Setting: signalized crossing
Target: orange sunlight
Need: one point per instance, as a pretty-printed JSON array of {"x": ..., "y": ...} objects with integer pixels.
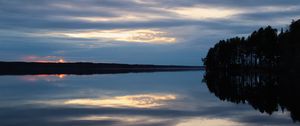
[
  {"x": 44, "y": 77},
  {"x": 61, "y": 76},
  {"x": 61, "y": 61},
  {"x": 44, "y": 59},
  {"x": 125, "y": 35},
  {"x": 134, "y": 101}
]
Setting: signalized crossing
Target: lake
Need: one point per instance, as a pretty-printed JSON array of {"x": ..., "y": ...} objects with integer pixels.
[{"x": 133, "y": 99}]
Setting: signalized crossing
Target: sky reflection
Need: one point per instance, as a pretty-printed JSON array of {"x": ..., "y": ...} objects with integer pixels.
[
  {"x": 143, "y": 99},
  {"x": 136, "y": 101},
  {"x": 43, "y": 77},
  {"x": 209, "y": 122}
]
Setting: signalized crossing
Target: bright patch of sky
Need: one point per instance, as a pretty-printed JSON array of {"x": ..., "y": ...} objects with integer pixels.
[{"x": 131, "y": 31}]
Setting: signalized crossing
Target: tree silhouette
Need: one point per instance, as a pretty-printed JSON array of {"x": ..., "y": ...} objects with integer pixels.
[
  {"x": 263, "y": 49},
  {"x": 262, "y": 70},
  {"x": 265, "y": 91}
]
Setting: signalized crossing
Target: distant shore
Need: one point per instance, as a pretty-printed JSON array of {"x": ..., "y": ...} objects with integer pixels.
[{"x": 81, "y": 68}]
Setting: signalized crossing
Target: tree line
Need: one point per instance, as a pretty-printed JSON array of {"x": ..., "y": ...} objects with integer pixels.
[
  {"x": 263, "y": 49},
  {"x": 266, "y": 92}
]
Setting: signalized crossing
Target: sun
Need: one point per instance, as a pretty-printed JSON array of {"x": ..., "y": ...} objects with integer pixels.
[
  {"x": 61, "y": 76},
  {"x": 61, "y": 61}
]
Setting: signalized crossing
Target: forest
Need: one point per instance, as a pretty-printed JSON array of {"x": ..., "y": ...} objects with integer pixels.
[
  {"x": 265, "y": 48},
  {"x": 266, "y": 92},
  {"x": 261, "y": 70}
]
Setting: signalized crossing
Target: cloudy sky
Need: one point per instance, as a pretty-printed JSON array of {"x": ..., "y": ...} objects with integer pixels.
[{"x": 131, "y": 31}]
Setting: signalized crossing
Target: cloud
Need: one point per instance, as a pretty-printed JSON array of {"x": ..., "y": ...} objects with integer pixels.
[
  {"x": 203, "y": 12},
  {"x": 74, "y": 25},
  {"x": 136, "y": 35},
  {"x": 136, "y": 101},
  {"x": 143, "y": 117}
]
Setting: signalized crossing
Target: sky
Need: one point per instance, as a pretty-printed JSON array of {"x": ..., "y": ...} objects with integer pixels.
[{"x": 176, "y": 32}]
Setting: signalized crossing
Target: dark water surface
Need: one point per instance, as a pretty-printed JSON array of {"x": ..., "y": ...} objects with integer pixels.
[{"x": 135, "y": 99}]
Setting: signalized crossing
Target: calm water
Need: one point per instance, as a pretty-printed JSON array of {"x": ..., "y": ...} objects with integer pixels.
[{"x": 137, "y": 99}]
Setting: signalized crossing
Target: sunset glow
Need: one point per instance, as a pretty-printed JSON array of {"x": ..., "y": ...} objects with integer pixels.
[
  {"x": 44, "y": 59},
  {"x": 204, "y": 12},
  {"x": 131, "y": 31},
  {"x": 61, "y": 76},
  {"x": 149, "y": 62},
  {"x": 209, "y": 122},
  {"x": 44, "y": 77},
  {"x": 135, "y": 101},
  {"x": 139, "y": 35},
  {"x": 61, "y": 61}
]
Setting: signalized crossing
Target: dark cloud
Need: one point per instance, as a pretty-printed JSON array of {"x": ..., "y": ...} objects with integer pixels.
[
  {"x": 45, "y": 15},
  {"x": 18, "y": 18},
  {"x": 227, "y": 3}
]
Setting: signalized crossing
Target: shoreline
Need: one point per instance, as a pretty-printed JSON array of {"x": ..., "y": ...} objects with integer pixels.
[{"x": 85, "y": 68}]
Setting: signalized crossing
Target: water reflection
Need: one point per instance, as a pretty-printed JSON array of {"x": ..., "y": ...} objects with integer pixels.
[
  {"x": 136, "y": 101},
  {"x": 209, "y": 122},
  {"x": 126, "y": 120},
  {"x": 265, "y": 91},
  {"x": 143, "y": 99},
  {"x": 43, "y": 77}
]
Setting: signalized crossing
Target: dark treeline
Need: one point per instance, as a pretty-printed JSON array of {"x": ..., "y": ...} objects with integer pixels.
[
  {"x": 24, "y": 68},
  {"x": 266, "y": 91},
  {"x": 264, "y": 49},
  {"x": 262, "y": 70}
]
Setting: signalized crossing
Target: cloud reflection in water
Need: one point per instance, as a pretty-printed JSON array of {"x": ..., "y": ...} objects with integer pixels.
[
  {"x": 135, "y": 101},
  {"x": 144, "y": 99}
]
